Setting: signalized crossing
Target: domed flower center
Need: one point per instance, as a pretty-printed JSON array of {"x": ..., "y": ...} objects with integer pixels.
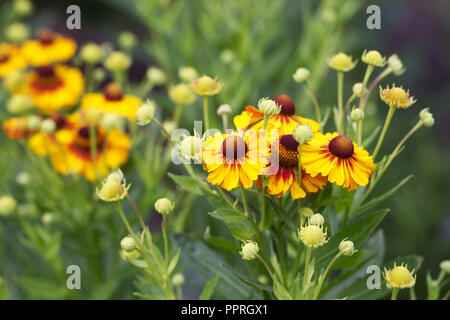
[
  {"x": 401, "y": 275},
  {"x": 113, "y": 91},
  {"x": 234, "y": 148},
  {"x": 46, "y": 37},
  {"x": 398, "y": 94},
  {"x": 3, "y": 57},
  {"x": 341, "y": 147},
  {"x": 288, "y": 151},
  {"x": 341, "y": 60},
  {"x": 47, "y": 80},
  {"x": 286, "y": 103}
]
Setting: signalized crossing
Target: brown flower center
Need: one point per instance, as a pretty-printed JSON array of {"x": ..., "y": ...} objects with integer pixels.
[
  {"x": 82, "y": 139},
  {"x": 3, "y": 57},
  {"x": 286, "y": 103},
  {"x": 59, "y": 120},
  {"x": 47, "y": 80},
  {"x": 234, "y": 148},
  {"x": 113, "y": 91},
  {"x": 288, "y": 151},
  {"x": 46, "y": 37},
  {"x": 341, "y": 147}
]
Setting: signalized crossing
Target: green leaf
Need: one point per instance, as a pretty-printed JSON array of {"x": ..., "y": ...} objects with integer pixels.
[
  {"x": 173, "y": 263},
  {"x": 229, "y": 216},
  {"x": 241, "y": 227},
  {"x": 372, "y": 203},
  {"x": 281, "y": 293},
  {"x": 223, "y": 244},
  {"x": 351, "y": 261},
  {"x": 187, "y": 183},
  {"x": 208, "y": 290},
  {"x": 372, "y": 137}
]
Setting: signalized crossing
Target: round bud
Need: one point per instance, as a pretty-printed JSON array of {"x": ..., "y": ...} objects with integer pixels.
[
  {"x": 357, "y": 114},
  {"x": 19, "y": 103},
  {"x": 111, "y": 121},
  {"x": 317, "y": 219},
  {"x": 346, "y": 247},
  {"x": 306, "y": 212},
  {"x": 181, "y": 94},
  {"x": 224, "y": 109},
  {"x": 112, "y": 190},
  {"x": 145, "y": 113},
  {"x": 34, "y": 123},
  {"x": 128, "y": 244},
  {"x": 13, "y": 80},
  {"x": 373, "y": 58},
  {"x": 445, "y": 266},
  {"x": 164, "y": 206},
  {"x": 426, "y": 117},
  {"x": 303, "y": 134},
  {"x": 396, "y": 65},
  {"x": 17, "y": 32},
  {"x": 99, "y": 74},
  {"x": 48, "y": 218},
  {"x": 191, "y": 146},
  {"x": 357, "y": 89},
  {"x": 7, "y": 205},
  {"x": 117, "y": 61},
  {"x": 178, "y": 279},
  {"x": 127, "y": 40},
  {"x": 156, "y": 76},
  {"x": 312, "y": 236},
  {"x": 23, "y": 8},
  {"x": 187, "y": 74},
  {"x": 48, "y": 126},
  {"x": 249, "y": 250},
  {"x": 23, "y": 178},
  {"x": 268, "y": 107},
  {"x": 301, "y": 75},
  {"x": 91, "y": 53}
]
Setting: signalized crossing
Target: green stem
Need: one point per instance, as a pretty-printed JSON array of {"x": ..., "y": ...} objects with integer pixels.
[
  {"x": 358, "y": 134},
  {"x": 225, "y": 122},
  {"x": 322, "y": 279},
  {"x": 266, "y": 266},
  {"x": 315, "y": 102},
  {"x": 166, "y": 240},
  {"x": 244, "y": 200},
  {"x": 340, "y": 89},
  {"x": 93, "y": 148},
  {"x": 305, "y": 275},
  {"x": 205, "y": 112},
  {"x": 383, "y": 132},
  {"x": 177, "y": 114},
  {"x": 394, "y": 293}
]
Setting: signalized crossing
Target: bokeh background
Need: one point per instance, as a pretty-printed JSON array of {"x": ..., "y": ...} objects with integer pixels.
[{"x": 255, "y": 46}]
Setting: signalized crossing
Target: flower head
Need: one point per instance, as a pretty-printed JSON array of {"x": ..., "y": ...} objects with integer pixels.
[
  {"x": 117, "y": 61},
  {"x": 7, "y": 205},
  {"x": 206, "y": 86},
  {"x": 396, "y": 97},
  {"x": 181, "y": 94},
  {"x": 128, "y": 244},
  {"x": 301, "y": 75},
  {"x": 346, "y": 247},
  {"x": 373, "y": 58},
  {"x": 17, "y": 32},
  {"x": 145, "y": 113},
  {"x": 19, "y": 103},
  {"x": 191, "y": 147},
  {"x": 23, "y": 8},
  {"x": 164, "y": 206},
  {"x": 341, "y": 62},
  {"x": 187, "y": 74},
  {"x": 156, "y": 76},
  {"x": 303, "y": 133},
  {"x": 48, "y": 126},
  {"x": 357, "y": 89},
  {"x": 396, "y": 65},
  {"x": 91, "y": 53},
  {"x": 399, "y": 277},
  {"x": 127, "y": 40},
  {"x": 249, "y": 250},
  {"x": 357, "y": 114},
  {"x": 312, "y": 235},
  {"x": 113, "y": 189},
  {"x": 268, "y": 107}
]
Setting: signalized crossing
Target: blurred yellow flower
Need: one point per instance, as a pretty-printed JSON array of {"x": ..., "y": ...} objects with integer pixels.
[{"x": 11, "y": 59}]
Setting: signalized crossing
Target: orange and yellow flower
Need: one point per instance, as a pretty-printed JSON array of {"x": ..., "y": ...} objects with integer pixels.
[
  {"x": 235, "y": 159},
  {"x": 285, "y": 121},
  {"x": 50, "y": 47},
  {"x": 286, "y": 176},
  {"x": 70, "y": 150},
  {"x": 17, "y": 128},
  {"x": 11, "y": 59},
  {"x": 53, "y": 88},
  {"x": 113, "y": 100},
  {"x": 338, "y": 157}
]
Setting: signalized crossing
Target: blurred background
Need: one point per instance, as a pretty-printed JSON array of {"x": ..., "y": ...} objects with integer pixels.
[{"x": 254, "y": 47}]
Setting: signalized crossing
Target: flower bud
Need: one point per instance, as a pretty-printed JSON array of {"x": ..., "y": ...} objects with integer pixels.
[
  {"x": 357, "y": 114},
  {"x": 346, "y": 247},
  {"x": 7, "y": 205},
  {"x": 128, "y": 244},
  {"x": 145, "y": 113},
  {"x": 23, "y": 8},
  {"x": 34, "y": 123},
  {"x": 23, "y": 178},
  {"x": 249, "y": 250},
  {"x": 117, "y": 61},
  {"x": 17, "y": 32},
  {"x": 312, "y": 235},
  {"x": 181, "y": 94},
  {"x": 99, "y": 74},
  {"x": 396, "y": 65},
  {"x": 301, "y": 75},
  {"x": 127, "y": 40},
  {"x": 191, "y": 147},
  {"x": 48, "y": 126},
  {"x": 156, "y": 76},
  {"x": 268, "y": 107},
  {"x": 445, "y": 266},
  {"x": 306, "y": 212},
  {"x": 357, "y": 89},
  {"x": 48, "y": 218},
  {"x": 317, "y": 219},
  {"x": 116, "y": 175},
  {"x": 187, "y": 74},
  {"x": 373, "y": 58},
  {"x": 164, "y": 206},
  {"x": 19, "y": 103},
  {"x": 135, "y": 254},
  {"x": 111, "y": 121},
  {"x": 113, "y": 188},
  {"x": 426, "y": 117},
  {"x": 91, "y": 53},
  {"x": 227, "y": 56},
  {"x": 303, "y": 133},
  {"x": 341, "y": 62},
  {"x": 206, "y": 86},
  {"x": 13, "y": 80},
  {"x": 178, "y": 279},
  {"x": 224, "y": 109}
]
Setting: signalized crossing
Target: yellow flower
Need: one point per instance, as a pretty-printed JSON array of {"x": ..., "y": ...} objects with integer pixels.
[
  {"x": 53, "y": 88},
  {"x": 113, "y": 189},
  {"x": 234, "y": 159},
  {"x": 50, "y": 47},
  {"x": 339, "y": 158},
  {"x": 206, "y": 86},
  {"x": 373, "y": 58},
  {"x": 399, "y": 277},
  {"x": 181, "y": 94},
  {"x": 11, "y": 59},
  {"x": 286, "y": 121},
  {"x": 285, "y": 178},
  {"x": 396, "y": 97},
  {"x": 18, "y": 127},
  {"x": 113, "y": 100},
  {"x": 341, "y": 62},
  {"x": 312, "y": 235}
]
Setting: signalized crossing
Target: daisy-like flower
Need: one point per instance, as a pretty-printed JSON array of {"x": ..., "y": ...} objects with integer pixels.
[
  {"x": 113, "y": 100},
  {"x": 113, "y": 189},
  {"x": 339, "y": 158},
  {"x": 206, "y": 86},
  {"x": 286, "y": 177},
  {"x": 341, "y": 62},
  {"x": 18, "y": 127},
  {"x": 234, "y": 159},
  {"x": 50, "y": 47},
  {"x": 313, "y": 235},
  {"x": 396, "y": 97},
  {"x": 399, "y": 277},
  {"x": 286, "y": 121},
  {"x": 70, "y": 151},
  {"x": 53, "y": 88},
  {"x": 11, "y": 59}
]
